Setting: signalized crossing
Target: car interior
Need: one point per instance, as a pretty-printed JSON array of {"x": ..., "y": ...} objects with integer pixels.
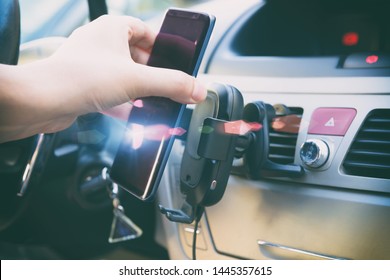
[{"x": 310, "y": 179}]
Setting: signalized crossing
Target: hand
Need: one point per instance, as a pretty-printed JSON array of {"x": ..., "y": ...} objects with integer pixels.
[{"x": 100, "y": 66}]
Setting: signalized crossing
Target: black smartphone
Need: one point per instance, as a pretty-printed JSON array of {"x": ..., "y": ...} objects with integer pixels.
[{"x": 152, "y": 124}]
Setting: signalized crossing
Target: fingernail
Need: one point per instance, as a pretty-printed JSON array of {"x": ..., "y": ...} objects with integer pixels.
[{"x": 199, "y": 93}]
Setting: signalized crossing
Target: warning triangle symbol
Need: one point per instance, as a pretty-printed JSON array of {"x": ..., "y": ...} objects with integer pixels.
[{"x": 330, "y": 122}]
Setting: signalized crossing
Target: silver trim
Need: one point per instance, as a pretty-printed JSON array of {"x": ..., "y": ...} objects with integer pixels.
[
  {"x": 148, "y": 185},
  {"x": 30, "y": 166},
  {"x": 213, "y": 185},
  {"x": 191, "y": 230},
  {"x": 263, "y": 243}
]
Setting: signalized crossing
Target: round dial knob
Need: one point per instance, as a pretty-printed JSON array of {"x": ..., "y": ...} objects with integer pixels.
[{"x": 314, "y": 153}]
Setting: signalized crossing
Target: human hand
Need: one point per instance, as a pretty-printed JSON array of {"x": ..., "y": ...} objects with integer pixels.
[
  {"x": 100, "y": 65},
  {"x": 111, "y": 52}
]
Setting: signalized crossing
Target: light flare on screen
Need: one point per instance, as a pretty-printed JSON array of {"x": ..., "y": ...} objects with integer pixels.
[
  {"x": 138, "y": 103},
  {"x": 137, "y": 134},
  {"x": 241, "y": 127}
]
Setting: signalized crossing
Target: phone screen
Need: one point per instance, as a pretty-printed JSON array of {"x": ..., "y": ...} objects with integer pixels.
[{"x": 150, "y": 131}]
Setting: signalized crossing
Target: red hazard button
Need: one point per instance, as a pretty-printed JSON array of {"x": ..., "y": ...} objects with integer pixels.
[{"x": 331, "y": 121}]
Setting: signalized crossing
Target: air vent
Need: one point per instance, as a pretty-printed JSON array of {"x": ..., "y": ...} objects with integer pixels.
[
  {"x": 369, "y": 154},
  {"x": 283, "y": 136}
]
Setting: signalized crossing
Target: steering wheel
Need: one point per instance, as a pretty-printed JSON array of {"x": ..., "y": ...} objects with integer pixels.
[{"x": 17, "y": 158}]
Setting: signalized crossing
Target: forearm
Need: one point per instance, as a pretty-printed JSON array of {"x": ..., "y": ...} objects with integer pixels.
[
  {"x": 26, "y": 107},
  {"x": 11, "y": 102}
]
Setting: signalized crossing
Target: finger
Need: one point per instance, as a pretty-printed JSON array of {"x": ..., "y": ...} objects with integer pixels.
[
  {"x": 139, "y": 55},
  {"x": 174, "y": 84},
  {"x": 140, "y": 39},
  {"x": 136, "y": 35},
  {"x": 139, "y": 34}
]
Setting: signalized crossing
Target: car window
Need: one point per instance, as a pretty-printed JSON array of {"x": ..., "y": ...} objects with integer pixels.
[
  {"x": 46, "y": 18},
  {"x": 38, "y": 12}
]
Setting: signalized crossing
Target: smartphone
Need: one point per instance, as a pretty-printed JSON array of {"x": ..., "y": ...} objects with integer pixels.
[{"x": 152, "y": 124}]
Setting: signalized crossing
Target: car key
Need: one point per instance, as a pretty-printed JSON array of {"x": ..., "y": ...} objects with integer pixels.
[{"x": 122, "y": 227}]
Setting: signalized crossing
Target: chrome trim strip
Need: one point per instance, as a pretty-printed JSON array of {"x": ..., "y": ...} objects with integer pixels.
[
  {"x": 264, "y": 244},
  {"x": 191, "y": 230},
  {"x": 30, "y": 165}
]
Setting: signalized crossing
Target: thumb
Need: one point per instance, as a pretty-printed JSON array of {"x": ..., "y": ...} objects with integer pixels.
[{"x": 173, "y": 84}]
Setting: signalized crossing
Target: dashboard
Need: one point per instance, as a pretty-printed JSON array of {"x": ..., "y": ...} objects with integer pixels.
[
  {"x": 312, "y": 28},
  {"x": 314, "y": 58}
]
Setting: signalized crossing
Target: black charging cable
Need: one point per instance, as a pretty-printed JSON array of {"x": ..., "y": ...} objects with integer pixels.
[{"x": 198, "y": 216}]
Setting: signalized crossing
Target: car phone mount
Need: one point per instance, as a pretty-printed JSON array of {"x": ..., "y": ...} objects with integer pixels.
[
  {"x": 210, "y": 149},
  {"x": 209, "y": 153},
  {"x": 256, "y": 161}
]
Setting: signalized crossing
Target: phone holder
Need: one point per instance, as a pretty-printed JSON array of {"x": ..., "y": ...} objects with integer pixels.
[
  {"x": 215, "y": 137},
  {"x": 257, "y": 144},
  {"x": 209, "y": 153}
]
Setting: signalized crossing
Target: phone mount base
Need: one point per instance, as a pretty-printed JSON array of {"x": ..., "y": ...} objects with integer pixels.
[{"x": 209, "y": 153}]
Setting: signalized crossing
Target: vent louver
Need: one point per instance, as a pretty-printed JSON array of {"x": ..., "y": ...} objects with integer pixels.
[
  {"x": 369, "y": 154},
  {"x": 281, "y": 143}
]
